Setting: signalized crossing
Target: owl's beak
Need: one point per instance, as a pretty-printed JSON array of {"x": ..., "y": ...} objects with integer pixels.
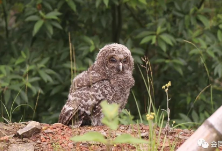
[{"x": 120, "y": 66}]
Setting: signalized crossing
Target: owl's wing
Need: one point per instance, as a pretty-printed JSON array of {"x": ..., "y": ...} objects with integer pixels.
[
  {"x": 68, "y": 111},
  {"x": 87, "y": 78}
]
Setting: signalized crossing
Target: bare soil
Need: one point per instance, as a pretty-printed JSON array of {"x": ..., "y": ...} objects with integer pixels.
[{"x": 57, "y": 137}]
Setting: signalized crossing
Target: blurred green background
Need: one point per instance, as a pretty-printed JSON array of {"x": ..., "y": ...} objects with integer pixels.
[{"x": 35, "y": 67}]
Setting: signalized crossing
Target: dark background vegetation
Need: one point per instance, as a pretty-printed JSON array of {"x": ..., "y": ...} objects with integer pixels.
[{"x": 35, "y": 68}]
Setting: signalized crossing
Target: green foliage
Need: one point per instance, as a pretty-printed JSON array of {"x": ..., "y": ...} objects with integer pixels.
[
  {"x": 126, "y": 118},
  {"x": 110, "y": 119},
  {"x": 35, "y": 55},
  {"x": 90, "y": 136},
  {"x": 110, "y": 115},
  {"x": 127, "y": 138}
]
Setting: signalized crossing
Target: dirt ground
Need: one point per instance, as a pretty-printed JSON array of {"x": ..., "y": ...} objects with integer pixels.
[{"x": 57, "y": 137}]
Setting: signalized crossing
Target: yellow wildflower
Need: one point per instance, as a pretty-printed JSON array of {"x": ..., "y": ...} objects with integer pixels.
[
  {"x": 152, "y": 113},
  {"x": 166, "y": 85},
  {"x": 169, "y": 84},
  {"x": 149, "y": 116}
]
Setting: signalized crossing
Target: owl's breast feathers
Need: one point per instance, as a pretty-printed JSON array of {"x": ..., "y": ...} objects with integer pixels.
[{"x": 122, "y": 82}]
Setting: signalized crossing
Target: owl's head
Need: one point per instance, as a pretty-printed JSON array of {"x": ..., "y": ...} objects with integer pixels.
[{"x": 116, "y": 59}]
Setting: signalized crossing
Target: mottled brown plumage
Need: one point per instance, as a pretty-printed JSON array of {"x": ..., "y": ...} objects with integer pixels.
[{"x": 109, "y": 78}]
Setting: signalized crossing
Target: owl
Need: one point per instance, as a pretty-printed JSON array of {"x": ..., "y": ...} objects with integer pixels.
[{"x": 109, "y": 78}]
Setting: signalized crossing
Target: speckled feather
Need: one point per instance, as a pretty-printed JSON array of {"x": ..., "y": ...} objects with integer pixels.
[{"x": 102, "y": 81}]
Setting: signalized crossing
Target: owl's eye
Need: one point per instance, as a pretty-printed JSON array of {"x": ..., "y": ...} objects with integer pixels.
[
  {"x": 112, "y": 60},
  {"x": 125, "y": 60}
]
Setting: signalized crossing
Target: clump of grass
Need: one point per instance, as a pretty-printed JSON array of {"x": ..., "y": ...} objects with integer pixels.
[
  {"x": 148, "y": 82},
  {"x": 154, "y": 116},
  {"x": 10, "y": 111}
]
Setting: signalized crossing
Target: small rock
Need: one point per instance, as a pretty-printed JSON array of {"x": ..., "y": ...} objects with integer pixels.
[
  {"x": 32, "y": 128},
  {"x": 48, "y": 131},
  {"x": 5, "y": 138},
  {"x": 103, "y": 132},
  {"x": 21, "y": 147},
  {"x": 183, "y": 137},
  {"x": 121, "y": 127},
  {"x": 186, "y": 131},
  {"x": 145, "y": 134},
  {"x": 58, "y": 124},
  {"x": 70, "y": 145},
  {"x": 25, "y": 139}
]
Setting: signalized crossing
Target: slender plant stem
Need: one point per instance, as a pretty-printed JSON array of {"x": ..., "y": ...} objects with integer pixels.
[
  {"x": 211, "y": 98},
  {"x": 168, "y": 110},
  {"x": 36, "y": 105},
  {"x": 70, "y": 49},
  {"x": 141, "y": 120}
]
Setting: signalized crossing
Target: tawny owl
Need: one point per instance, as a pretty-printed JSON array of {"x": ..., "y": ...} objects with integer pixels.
[{"x": 109, "y": 78}]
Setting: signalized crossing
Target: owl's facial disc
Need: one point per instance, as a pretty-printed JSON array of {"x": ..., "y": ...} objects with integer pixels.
[{"x": 118, "y": 63}]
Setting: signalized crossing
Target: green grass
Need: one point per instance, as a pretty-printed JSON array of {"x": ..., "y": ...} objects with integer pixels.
[{"x": 12, "y": 109}]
